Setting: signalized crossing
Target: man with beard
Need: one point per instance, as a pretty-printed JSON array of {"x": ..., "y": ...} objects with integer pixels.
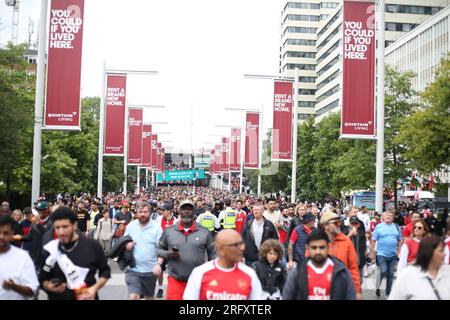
[
  {"x": 320, "y": 277},
  {"x": 72, "y": 261},
  {"x": 185, "y": 245},
  {"x": 145, "y": 234}
]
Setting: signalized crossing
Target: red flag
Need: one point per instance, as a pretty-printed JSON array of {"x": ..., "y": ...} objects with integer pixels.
[
  {"x": 135, "y": 136},
  {"x": 282, "y": 121},
  {"x": 146, "y": 145},
  {"x": 411, "y": 182},
  {"x": 225, "y": 164},
  {"x": 235, "y": 150},
  {"x": 358, "y": 70},
  {"x": 431, "y": 182},
  {"x": 65, "y": 46},
  {"x": 252, "y": 141},
  {"x": 116, "y": 88}
]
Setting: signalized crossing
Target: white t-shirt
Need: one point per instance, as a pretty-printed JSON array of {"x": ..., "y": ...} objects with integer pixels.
[
  {"x": 365, "y": 218},
  {"x": 17, "y": 265},
  {"x": 274, "y": 217}
]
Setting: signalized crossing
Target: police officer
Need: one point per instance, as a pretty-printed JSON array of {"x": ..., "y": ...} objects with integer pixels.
[
  {"x": 228, "y": 216},
  {"x": 208, "y": 220}
]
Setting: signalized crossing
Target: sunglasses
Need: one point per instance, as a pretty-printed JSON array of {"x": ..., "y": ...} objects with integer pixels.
[
  {"x": 418, "y": 228},
  {"x": 317, "y": 247}
]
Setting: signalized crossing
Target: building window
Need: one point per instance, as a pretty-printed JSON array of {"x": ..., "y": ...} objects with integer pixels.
[
  {"x": 304, "y": 116},
  {"x": 307, "y": 79},
  {"x": 328, "y": 39},
  {"x": 329, "y": 5},
  {"x": 306, "y": 104},
  {"x": 300, "y": 54},
  {"x": 301, "y": 17},
  {"x": 302, "y": 5},
  {"x": 328, "y": 66},
  {"x": 399, "y": 8},
  {"x": 300, "y": 30},
  {"x": 403, "y": 27},
  {"x": 328, "y": 93},
  {"x": 329, "y": 51},
  {"x": 292, "y": 66},
  {"x": 300, "y": 42},
  {"x": 307, "y": 92},
  {"x": 328, "y": 108},
  {"x": 328, "y": 80}
]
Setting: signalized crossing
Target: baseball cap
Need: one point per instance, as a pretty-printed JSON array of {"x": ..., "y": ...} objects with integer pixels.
[
  {"x": 165, "y": 206},
  {"x": 308, "y": 217},
  {"x": 186, "y": 202},
  {"x": 328, "y": 216},
  {"x": 354, "y": 219},
  {"x": 42, "y": 205}
]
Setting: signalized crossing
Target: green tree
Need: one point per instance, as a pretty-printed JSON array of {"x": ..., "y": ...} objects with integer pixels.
[
  {"x": 16, "y": 110},
  {"x": 399, "y": 104},
  {"x": 307, "y": 138},
  {"x": 426, "y": 133}
]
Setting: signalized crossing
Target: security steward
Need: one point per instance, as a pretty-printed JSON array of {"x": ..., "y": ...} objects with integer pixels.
[
  {"x": 227, "y": 217},
  {"x": 208, "y": 220}
]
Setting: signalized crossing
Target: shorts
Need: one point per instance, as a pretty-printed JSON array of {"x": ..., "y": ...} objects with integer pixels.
[
  {"x": 175, "y": 288},
  {"x": 140, "y": 283}
]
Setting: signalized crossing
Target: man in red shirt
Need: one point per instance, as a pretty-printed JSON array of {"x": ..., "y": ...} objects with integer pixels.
[
  {"x": 320, "y": 277},
  {"x": 409, "y": 228},
  {"x": 241, "y": 216},
  {"x": 225, "y": 278}
]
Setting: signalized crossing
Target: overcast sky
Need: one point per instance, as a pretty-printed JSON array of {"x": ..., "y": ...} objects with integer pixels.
[{"x": 201, "y": 48}]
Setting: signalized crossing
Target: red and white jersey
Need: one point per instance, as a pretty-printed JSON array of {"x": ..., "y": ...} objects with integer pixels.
[
  {"x": 241, "y": 217},
  {"x": 319, "y": 280},
  {"x": 211, "y": 282}
]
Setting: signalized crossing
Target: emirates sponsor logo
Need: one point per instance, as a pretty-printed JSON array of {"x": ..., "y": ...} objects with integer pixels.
[{"x": 211, "y": 295}]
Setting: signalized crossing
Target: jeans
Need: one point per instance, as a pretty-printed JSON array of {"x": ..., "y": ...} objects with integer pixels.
[{"x": 387, "y": 266}]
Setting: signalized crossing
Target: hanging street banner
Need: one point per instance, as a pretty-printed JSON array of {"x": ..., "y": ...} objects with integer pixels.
[
  {"x": 65, "y": 47},
  {"x": 212, "y": 165},
  {"x": 135, "y": 136},
  {"x": 282, "y": 121},
  {"x": 154, "y": 156},
  {"x": 225, "y": 164},
  {"x": 218, "y": 155},
  {"x": 235, "y": 150},
  {"x": 163, "y": 162},
  {"x": 252, "y": 141},
  {"x": 146, "y": 146},
  {"x": 158, "y": 157},
  {"x": 180, "y": 175},
  {"x": 115, "y": 104},
  {"x": 358, "y": 70}
]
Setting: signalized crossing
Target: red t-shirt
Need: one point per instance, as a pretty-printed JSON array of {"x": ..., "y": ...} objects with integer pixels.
[
  {"x": 167, "y": 223},
  {"x": 408, "y": 230},
  {"x": 210, "y": 282},
  {"x": 240, "y": 220},
  {"x": 373, "y": 224},
  {"x": 319, "y": 280},
  {"x": 413, "y": 247}
]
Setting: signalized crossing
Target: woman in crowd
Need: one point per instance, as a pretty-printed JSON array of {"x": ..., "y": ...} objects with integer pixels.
[
  {"x": 410, "y": 247},
  {"x": 428, "y": 278},
  {"x": 269, "y": 270}
]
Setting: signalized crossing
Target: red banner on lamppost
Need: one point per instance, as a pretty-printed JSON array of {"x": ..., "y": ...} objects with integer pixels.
[
  {"x": 358, "y": 71},
  {"x": 146, "y": 146},
  {"x": 65, "y": 47},
  {"x": 212, "y": 164},
  {"x": 163, "y": 162},
  {"x": 282, "y": 122},
  {"x": 158, "y": 157},
  {"x": 235, "y": 150},
  {"x": 225, "y": 164},
  {"x": 115, "y": 104},
  {"x": 154, "y": 155},
  {"x": 252, "y": 141},
  {"x": 135, "y": 136},
  {"x": 218, "y": 158}
]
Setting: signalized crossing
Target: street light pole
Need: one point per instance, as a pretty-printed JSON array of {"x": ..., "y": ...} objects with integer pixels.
[
  {"x": 39, "y": 104},
  {"x": 101, "y": 135},
  {"x": 379, "y": 183},
  {"x": 294, "y": 139}
]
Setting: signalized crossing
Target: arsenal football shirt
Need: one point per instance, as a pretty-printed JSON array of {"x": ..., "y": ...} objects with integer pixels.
[
  {"x": 319, "y": 280},
  {"x": 211, "y": 282}
]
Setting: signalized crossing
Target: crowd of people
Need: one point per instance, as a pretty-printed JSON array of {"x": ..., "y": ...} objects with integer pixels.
[{"x": 214, "y": 245}]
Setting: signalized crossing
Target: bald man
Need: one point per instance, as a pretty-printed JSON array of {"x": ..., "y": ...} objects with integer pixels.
[{"x": 225, "y": 278}]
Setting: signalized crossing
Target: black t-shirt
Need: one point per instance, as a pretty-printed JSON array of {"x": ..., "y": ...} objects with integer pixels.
[
  {"x": 82, "y": 217},
  {"x": 87, "y": 254}
]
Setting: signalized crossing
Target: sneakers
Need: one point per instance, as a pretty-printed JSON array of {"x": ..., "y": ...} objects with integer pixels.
[
  {"x": 378, "y": 293},
  {"x": 159, "y": 295}
]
